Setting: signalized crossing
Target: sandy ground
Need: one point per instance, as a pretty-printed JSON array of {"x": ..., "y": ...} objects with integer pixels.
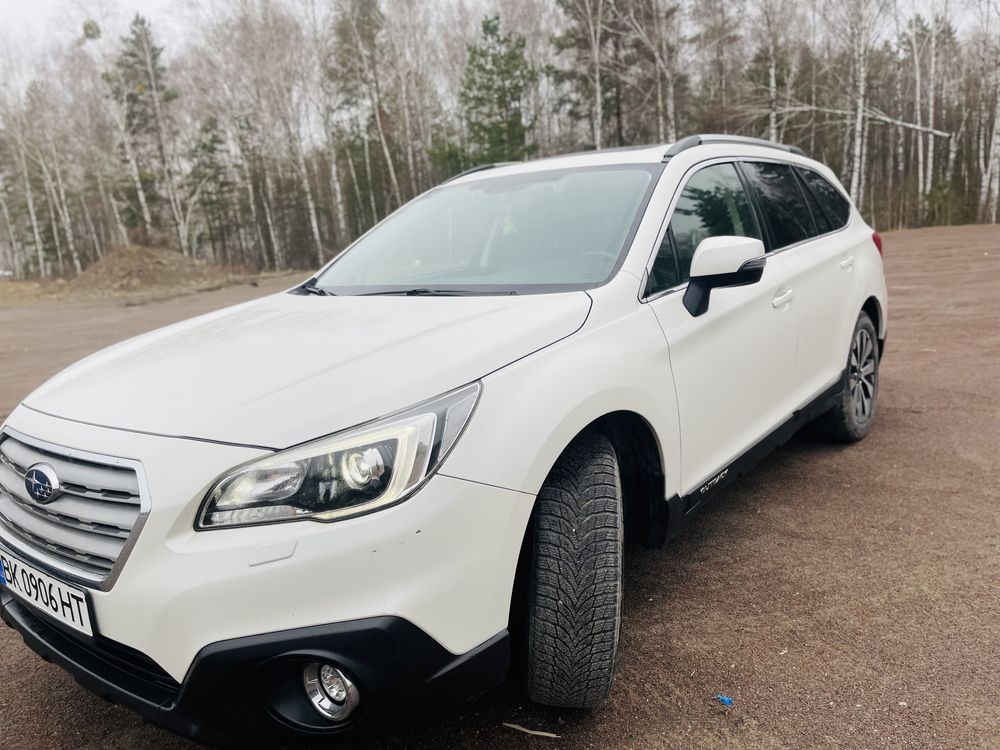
[{"x": 844, "y": 597}]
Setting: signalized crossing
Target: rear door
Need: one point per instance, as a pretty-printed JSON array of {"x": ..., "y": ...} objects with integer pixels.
[
  {"x": 733, "y": 367},
  {"x": 820, "y": 262}
]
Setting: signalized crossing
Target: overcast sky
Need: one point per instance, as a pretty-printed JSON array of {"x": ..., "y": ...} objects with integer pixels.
[
  {"x": 32, "y": 24},
  {"x": 34, "y": 17},
  {"x": 27, "y": 26}
]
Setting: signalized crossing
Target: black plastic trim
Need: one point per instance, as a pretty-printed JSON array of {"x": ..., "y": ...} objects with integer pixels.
[
  {"x": 99, "y": 664},
  {"x": 775, "y": 439},
  {"x": 248, "y": 691},
  {"x": 677, "y": 511},
  {"x": 699, "y": 288}
]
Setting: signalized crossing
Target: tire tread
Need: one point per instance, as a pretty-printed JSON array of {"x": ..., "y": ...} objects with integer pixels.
[{"x": 576, "y": 580}]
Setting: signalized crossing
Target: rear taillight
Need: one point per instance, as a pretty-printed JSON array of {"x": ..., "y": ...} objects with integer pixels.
[{"x": 877, "y": 239}]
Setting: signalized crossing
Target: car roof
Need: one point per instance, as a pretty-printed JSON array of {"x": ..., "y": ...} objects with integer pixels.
[
  {"x": 691, "y": 148},
  {"x": 648, "y": 154},
  {"x": 601, "y": 157}
]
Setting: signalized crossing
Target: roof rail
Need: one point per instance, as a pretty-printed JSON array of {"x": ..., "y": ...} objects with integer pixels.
[
  {"x": 697, "y": 140},
  {"x": 480, "y": 168}
]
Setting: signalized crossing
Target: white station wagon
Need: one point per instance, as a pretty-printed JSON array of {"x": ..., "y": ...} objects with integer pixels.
[{"x": 349, "y": 499}]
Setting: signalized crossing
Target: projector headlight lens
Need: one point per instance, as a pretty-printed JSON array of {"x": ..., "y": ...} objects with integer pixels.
[{"x": 346, "y": 474}]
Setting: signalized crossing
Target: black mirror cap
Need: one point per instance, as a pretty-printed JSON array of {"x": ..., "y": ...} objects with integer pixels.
[{"x": 700, "y": 288}]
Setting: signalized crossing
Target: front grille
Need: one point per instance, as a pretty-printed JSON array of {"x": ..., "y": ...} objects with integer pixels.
[{"x": 85, "y": 530}]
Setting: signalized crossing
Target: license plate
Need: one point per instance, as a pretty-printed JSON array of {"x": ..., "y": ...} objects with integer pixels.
[{"x": 67, "y": 604}]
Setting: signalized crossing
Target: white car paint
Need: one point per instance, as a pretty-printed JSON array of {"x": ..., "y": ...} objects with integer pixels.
[
  {"x": 183, "y": 589},
  {"x": 285, "y": 369},
  {"x": 193, "y": 400},
  {"x": 719, "y": 255}
]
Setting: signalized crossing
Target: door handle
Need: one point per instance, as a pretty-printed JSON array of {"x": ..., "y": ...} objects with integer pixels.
[
  {"x": 783, "y": 299},
  {"x": 847, "y": 262}
]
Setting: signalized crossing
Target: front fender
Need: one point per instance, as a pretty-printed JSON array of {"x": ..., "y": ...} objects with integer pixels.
[{"x": 532, "y": 409}]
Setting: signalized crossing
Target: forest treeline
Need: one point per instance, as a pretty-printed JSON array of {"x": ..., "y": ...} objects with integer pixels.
[{"x": 273, "y": 132}]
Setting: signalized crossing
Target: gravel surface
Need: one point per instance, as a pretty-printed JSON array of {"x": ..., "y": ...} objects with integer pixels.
[{"x": 843, "y": 597}]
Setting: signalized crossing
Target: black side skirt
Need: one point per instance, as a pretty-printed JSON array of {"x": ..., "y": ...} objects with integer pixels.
[{"x": 677, "y": 511}]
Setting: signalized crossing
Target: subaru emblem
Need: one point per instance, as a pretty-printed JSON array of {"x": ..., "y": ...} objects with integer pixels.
[{"x": 42, "y": 483}]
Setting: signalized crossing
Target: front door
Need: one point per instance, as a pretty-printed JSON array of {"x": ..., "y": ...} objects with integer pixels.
[{"x": 734, "y": 366}]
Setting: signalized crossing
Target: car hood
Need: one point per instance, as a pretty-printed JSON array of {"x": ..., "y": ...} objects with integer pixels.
[{"x": 286, "y": 368}]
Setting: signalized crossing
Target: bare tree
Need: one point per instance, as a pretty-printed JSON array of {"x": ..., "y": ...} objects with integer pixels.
[
  {"x": 587, "y": 35},
  {"x": 271, "y": 132}
]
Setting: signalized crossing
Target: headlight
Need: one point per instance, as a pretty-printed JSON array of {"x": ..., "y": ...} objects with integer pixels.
[{"x": 352, "y": 472}]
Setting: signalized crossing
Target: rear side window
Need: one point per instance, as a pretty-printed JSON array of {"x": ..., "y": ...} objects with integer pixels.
[
  {"x": 782, "y": 202},
  {"x": 819, "y": 215},
  {"x": 836, "y": 205},
  {"x": 713, "y": 203}
]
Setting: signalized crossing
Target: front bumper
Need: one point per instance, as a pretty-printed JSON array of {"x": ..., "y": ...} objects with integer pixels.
[
  {"x": 249, "y": 690},
  {"x": 439, "y": 568}
]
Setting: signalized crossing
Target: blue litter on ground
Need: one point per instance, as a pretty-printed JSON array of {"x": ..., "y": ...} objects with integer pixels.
[{"x": 725, "y": 700}]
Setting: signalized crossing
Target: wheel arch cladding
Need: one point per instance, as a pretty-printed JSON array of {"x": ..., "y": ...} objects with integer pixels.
[
  {"x": 874, "y": 310},
  {"x": 640, "y": 467}
]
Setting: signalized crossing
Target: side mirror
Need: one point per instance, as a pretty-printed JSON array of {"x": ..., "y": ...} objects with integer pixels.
[{"x": 721, "y": 262}]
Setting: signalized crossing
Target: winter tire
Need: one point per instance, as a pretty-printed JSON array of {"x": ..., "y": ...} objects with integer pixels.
[
  {"x": 852, "y": 417},
  {"x": 575, "y": 590}
]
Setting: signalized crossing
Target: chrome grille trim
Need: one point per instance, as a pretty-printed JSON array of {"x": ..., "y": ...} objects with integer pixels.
[
  {"x": 69, "y": 522},
  {"x": 86, "y": 534},
  {"x": 95, "y": 566},
  {"x": 74, "y": 508},
  {"x": 73, "y": 469}
]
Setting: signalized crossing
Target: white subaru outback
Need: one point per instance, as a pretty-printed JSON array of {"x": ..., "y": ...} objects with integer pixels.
[{"x": 348, "y": 499}]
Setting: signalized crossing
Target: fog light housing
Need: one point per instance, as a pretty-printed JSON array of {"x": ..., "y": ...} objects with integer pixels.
[{"x": 331, "y": 692}]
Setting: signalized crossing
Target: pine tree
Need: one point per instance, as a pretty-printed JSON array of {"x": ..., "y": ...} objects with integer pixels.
[
  {"x": 497, "y": 80},
  {"x": 140, "y": 82},
  {"x": 142, "y": 76},
  {"x": 585, "y": 41},
  {"x": 209, "y": 180}
]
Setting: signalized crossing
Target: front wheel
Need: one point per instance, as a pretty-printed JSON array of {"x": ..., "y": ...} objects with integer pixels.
[
  {"x": 575, "y": 590},
  {"x": 852, "y": 417}
]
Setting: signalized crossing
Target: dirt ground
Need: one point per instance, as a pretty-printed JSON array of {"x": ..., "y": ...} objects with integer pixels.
[
  {"x": 844, "y": 597},
  {"x": 131, "y": 275}
]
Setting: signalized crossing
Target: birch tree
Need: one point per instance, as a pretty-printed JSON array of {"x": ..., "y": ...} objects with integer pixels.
[
  {"x": 655, "y": 27},
  {"x": 14, "y": 263},
  {"x": 860, "y": 22},
  {"x": 271, "y": 132},
  {"x": 585, "y": 39}
]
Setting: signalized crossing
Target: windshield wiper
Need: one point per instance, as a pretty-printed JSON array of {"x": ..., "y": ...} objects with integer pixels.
[
  {"x": 425, "y": 292},
  {"x": 310, "y": 288}
]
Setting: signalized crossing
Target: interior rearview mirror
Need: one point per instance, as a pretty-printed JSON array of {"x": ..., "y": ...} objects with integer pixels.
[{"x": 722, "y": 262}]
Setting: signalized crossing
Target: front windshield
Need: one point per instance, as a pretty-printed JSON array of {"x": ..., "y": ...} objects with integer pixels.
[{"x": 532, "y": 232}]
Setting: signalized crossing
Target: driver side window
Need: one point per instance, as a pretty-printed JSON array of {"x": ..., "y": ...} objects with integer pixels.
[{"x": 713, "y": 203}]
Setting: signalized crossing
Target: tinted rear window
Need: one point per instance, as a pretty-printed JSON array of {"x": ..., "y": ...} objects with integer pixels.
[
  {"x": 783, "y": 203},
  {"x": 823, "y": 224},
  {"x": 836, "y": 205}
]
